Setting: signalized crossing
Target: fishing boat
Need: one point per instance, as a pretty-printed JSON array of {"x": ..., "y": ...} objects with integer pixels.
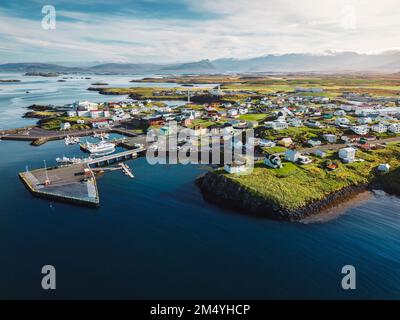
[
  {"x": 103, "y": 147},
  {"x": 71, "y": 140}
]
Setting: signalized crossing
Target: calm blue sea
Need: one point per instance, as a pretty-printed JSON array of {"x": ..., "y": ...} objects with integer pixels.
[{"x": 155, "y": 237}]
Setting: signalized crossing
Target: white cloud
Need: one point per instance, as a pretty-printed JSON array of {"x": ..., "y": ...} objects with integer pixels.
[{"x": 244, "y": 29}]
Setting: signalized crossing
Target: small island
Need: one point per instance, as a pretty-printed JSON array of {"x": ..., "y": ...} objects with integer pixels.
[
  {"x": 9, "y": 80},
  {"x": 99, "y": 83}
]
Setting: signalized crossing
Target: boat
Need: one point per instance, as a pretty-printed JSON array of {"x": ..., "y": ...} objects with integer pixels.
[
  {"x": 71, "y": 140},
  {"x": 103, "y": 147},
  {"x": 67, "y": 161}
]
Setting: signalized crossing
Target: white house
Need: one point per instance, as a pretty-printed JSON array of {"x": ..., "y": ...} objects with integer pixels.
[
  {"x": 314, "y": 143},
  {"x": 331, "y": 138},
  {"x": 394, "y": 128},
  {"x": 364, "y": 120},
  {"x": 100, "y": 123},
  {"x": 304, "y": 160},
  {"x": 71, "y": 113},
  {"x": 379, "y": 128},
  {"x": 233, "y": 112},
  {"x": 277, "y": 125},
  {"x": 85, "y": 105},
  {"x": 361, "y": 130},
  {"x": 340, "y": 113},
  {"x": 342, "y": 121},
  {"x": 347, "y": 155},
  {"x": 292, "y": 155},
  {"x": 266, "y": 143},
  {"x": 295, "y": 122},
  {"x": 235, "y": 167},
  {"x": 273, "y": 161},
  {"x": 65, "y": 126},
  {"x": 243, "y": 110}
]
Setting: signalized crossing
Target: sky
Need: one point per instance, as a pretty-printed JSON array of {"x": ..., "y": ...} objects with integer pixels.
[{"x": 167, "y": 31}]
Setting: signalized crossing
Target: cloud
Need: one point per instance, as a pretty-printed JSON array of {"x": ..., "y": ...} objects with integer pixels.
[{"x": 234, "y": 28}]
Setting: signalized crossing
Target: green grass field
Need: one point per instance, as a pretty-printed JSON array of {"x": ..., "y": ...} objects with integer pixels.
[{"x": 295, "y": 186}]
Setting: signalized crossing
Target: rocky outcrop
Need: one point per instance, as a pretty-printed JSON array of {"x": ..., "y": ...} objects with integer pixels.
[{"x": 218, "y": 189}]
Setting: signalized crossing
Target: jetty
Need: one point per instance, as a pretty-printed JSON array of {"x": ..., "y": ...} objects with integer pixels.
[
  {"x": 73, "y": 184},
  {"x": 116, "y": 157}
]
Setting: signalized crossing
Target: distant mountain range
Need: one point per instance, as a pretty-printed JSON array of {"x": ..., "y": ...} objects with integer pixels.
[{"x": 388, "y": 62}]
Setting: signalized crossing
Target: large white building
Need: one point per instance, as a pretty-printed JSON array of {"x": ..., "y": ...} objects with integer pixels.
[
  {"x": 365, "y": 112},
  {"x": 361, "y": 130},
  {"x": 394, "y": 128},
  {"x": 85, "y": 106},
  {"x": 379, "y": 128}
]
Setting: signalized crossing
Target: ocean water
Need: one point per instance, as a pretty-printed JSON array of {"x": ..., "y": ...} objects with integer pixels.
[{"x": 155, "y": 237}]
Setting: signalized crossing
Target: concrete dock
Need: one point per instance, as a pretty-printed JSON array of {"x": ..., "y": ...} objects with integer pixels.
[{"x": 74, "y": 184}]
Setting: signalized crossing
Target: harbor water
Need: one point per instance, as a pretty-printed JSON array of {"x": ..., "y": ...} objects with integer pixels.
[{"x": 155, "y": 237}]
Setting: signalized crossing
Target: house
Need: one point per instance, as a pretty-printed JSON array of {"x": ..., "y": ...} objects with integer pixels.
[
  {"x": 364, "y": 120},
  {"x": 394, "y": 128},
  {"x": 233, "y": 113},
  {"x": 83, "y": 113},
  {"x": 340, "y": 113},
  {"x": 304, "y": 160},
  {"x": 379, "y": 128},
  {"x": 277, "y": 125},
  {"x": 243, "y": 110},
  {"x": 85, "y": 106},
  {"x": 313, "y": 124},
  {"x": 331, "y": 138},
  {"x": 384, "y": 167},
  {"x": 71, "y": 113},
  {"x": 292, "y": 155},
  {"x": 273, "y": 161},
  {"x": 314, "y": 143},
  {"x": 320, "y": 154},
  {"x": 65, "y": 126},
  {"x": 286, "y": 142},
  {"x": 342, "y": 121},
  {"x": 347, "y": 155},
  {"x": 266, "y": 143},
  {"x": 236, "y": 167},
  {"x": 100, "y": 123},
  {"x": 295, "y": 122},
  {"x": 361, "y": 130}
]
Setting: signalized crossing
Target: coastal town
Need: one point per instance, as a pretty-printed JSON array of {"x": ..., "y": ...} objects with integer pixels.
[{"x": 298, "y": 132}]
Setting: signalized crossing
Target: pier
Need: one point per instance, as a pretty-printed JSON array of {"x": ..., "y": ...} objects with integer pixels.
[
  {"x": 116, "y": 157},
  {"x": 73, "y": 184}
]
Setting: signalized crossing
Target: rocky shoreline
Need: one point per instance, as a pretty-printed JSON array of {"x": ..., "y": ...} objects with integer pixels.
[{"x": 220, "y": 190}]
